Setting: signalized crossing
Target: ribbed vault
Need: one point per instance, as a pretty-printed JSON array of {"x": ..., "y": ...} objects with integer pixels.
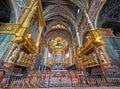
[
  {"x": 64, "y": 12},
  {"x": 64, "y": 34}
]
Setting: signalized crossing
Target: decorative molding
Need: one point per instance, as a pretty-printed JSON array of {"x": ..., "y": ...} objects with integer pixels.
[{"x": 7, "y": 28}]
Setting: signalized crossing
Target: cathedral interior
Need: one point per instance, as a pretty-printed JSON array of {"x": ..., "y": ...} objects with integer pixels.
[{"x": 59, "y": 43}]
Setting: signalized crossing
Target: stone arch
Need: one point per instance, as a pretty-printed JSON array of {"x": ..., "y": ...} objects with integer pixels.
[
  {"x": 109, "y": 16},
  {"x": 7, "y": 13},
  {"x": 55, "y": 23},
  {"x": 65, "y": 34},
  {"x": 15, "y": 10}
]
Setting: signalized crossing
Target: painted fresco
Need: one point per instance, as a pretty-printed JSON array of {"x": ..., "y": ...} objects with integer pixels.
[
  {"x": 34, "y": 29},
  {"x": 5, "y": 41}
]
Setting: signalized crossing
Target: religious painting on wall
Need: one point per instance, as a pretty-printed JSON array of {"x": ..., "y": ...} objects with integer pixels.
[
  {"x": 34, "y": 28},
  {"x": 58, "y": 56},
  {"x": 5, "y": 41},
  {"x": 103, "y": 57},
  {"x": 13, "y": 53}
]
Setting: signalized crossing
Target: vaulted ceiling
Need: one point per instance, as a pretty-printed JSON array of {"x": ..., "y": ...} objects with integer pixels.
[
  {"x": 59, "y": 13},
  {"x": 64, "y": 12}
]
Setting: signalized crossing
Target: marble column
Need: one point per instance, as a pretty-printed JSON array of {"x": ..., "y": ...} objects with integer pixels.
[{"x": 78, "y": 38}]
